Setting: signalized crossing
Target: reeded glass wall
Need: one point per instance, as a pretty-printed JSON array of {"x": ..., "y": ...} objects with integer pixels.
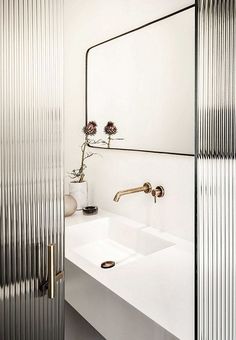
[
  {"x": 216, "y": 170},
  {"x": 31, "y": 193}
]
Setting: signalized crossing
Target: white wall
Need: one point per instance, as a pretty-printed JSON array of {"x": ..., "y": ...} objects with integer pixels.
[{"x": 88, "y": 22}]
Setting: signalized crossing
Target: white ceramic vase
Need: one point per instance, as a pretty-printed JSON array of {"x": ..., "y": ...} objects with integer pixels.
[{"x": 80, "y": 193}]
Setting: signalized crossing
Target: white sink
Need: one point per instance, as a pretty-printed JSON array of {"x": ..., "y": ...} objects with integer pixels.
[{"x": 113, "y": 239}]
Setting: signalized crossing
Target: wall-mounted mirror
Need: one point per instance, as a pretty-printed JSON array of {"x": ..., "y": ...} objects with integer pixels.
[{"x": 143, "y": 81}]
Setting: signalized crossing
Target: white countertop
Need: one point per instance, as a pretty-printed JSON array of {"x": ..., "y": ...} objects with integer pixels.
[{"x": 160, "y": 285}]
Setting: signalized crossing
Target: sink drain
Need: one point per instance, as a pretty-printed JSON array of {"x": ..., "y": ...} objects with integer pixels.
[{"x": 108, "y": 264}]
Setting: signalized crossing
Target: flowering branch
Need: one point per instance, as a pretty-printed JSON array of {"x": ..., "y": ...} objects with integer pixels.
[
  {"x": 89, "y": 130},
  {"x": 78, "y": 175},
  {"x": 110, "y": 129}
]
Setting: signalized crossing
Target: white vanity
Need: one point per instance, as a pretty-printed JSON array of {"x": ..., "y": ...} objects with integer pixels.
[{"x": 148, "y": 294}]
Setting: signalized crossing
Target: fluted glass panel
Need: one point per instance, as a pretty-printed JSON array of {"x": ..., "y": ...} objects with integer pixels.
[
  {"x": 31, "y": 193},
  {"x": 216, "y": 170}
]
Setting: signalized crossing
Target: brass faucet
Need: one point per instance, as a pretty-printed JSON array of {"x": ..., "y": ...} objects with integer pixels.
[{"x": 147, "y": 188}]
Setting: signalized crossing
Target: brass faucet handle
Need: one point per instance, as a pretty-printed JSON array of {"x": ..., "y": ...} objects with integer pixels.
[
  {"x": 159, "y": 191},
  {"x": 154, "y": 195}
]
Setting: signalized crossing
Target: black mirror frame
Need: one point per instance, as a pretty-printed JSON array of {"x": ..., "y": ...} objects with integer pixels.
[{"x": 86, "y": 82}]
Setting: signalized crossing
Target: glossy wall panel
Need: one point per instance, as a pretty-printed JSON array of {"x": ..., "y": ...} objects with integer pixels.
[
  {"x": 31, "y": 192},
  {"x": 216, "y": 170}
]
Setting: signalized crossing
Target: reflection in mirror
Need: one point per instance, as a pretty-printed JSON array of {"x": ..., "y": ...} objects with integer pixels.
[{"x": 143, "y": 81}]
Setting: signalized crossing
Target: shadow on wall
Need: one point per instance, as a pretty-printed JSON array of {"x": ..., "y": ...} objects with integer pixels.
[{"x": 77, "y": 328}]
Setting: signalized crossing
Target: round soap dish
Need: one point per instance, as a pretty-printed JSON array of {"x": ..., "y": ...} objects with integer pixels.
[{"x": 90, "y": 210}]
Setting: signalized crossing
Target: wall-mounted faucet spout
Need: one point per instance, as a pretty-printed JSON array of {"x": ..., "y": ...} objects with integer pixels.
[{"x": 147, "y": 188}]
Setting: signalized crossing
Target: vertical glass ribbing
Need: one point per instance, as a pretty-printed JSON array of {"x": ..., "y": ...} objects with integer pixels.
[
  {"x": 216, "y": 170},
  {"x": 31, "y": 193}
]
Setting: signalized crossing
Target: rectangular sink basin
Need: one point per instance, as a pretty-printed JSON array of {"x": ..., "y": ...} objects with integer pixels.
[{"x": 113, "y": 239}]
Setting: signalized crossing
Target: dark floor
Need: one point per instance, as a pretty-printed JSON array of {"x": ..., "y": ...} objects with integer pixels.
[{"x": 77, "y": 328}]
